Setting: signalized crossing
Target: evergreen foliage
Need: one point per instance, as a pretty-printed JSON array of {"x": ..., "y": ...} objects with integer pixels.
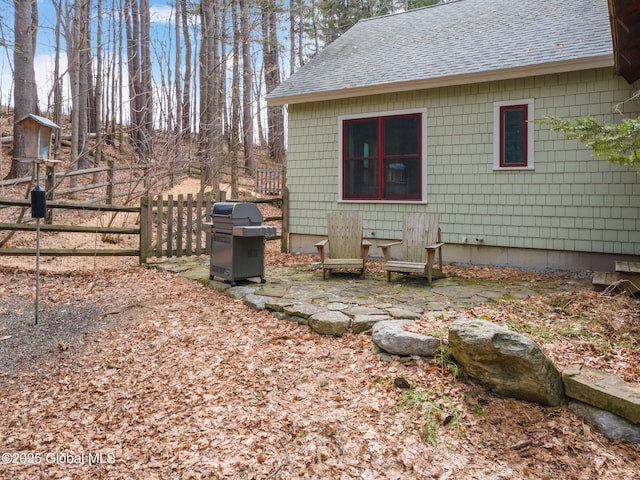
[{"x": 616, "y": 142}]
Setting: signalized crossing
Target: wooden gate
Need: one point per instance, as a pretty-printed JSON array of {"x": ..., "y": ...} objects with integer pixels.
[
  {"x": 269, "y": 180},
  {"x": 173, "y": 227}
]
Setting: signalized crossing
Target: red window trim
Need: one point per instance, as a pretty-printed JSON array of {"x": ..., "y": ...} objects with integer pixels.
[
  {"x": 525, "y": 146},
  {"x": 380, "y": 160}
]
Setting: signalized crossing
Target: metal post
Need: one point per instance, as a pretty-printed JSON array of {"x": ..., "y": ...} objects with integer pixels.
[
  {"x": 38, "y": 211},
  {"x": 37, "y": 266}
]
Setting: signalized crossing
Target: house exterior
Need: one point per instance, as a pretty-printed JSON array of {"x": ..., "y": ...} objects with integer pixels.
[{"x": 432, "y": 110}]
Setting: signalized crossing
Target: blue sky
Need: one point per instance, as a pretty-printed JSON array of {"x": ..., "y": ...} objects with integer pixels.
[{"x": 44, "y": 61}]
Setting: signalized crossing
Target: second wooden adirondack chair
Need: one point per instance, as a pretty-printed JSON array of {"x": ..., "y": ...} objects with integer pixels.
[
  {"x": 421, "y": 240},
  {"x": 346, "y": 248}
]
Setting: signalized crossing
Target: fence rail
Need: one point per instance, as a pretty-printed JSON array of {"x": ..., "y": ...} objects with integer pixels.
[{"x": 62, "y": 252}]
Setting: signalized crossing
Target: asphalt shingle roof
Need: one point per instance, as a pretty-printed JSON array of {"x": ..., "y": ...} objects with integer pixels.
[{"x": 455, "y": 41}]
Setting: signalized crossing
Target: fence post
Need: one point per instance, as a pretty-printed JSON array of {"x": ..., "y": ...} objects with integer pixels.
[
  {"x": 111, "y": 178},
  {"x": 208, "y": 204},
  {"x": 49, "y": 186},
  {"x": 159, "y": 225},
  {"x": 284, "y": 241},
  {"x": 145, "y": 228}
]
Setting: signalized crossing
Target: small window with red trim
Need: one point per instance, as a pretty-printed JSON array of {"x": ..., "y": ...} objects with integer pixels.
[{"x": 513, "y": 135}]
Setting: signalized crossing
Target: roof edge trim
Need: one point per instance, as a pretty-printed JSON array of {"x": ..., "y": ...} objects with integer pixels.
[{"x": 601, "y": 61}]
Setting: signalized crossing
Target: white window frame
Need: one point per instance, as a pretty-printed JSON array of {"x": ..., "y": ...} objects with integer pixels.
[
  {"x": 423, "y": 159},
  {"x": 530, "y": 134}
]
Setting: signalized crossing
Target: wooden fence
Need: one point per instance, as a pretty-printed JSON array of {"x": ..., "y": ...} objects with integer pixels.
[
  {"x": 168, "y": 227},
  {"x": 55, "y": 252},
  {"x": 174, "y": 227},
  {"x": 269, "y": 180}
]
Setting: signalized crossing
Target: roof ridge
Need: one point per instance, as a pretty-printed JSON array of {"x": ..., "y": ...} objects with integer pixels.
[{"x": 393, "y": 14}]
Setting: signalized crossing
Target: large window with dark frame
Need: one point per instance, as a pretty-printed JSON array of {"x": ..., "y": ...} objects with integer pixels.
[
  {"x": 381, "y": 158},
  {"x": 513, "y": 136}
]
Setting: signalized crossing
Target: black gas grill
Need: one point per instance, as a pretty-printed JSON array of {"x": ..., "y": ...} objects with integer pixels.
[{"x": 237, "y": 241}]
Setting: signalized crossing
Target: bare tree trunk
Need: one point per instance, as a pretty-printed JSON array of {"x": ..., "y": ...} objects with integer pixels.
[
  {"x": 247, "y": 88},
  {"x": 217, "y": 145},
  {"x": 57, "y": 82},
  {"x": 146, "y": 119},
  {"x": 98, "y": 90},
  {"x": 301, "y": 8},
  {"x": 25, "y": 99},
  {"x": 209, "y": 117},
  {"x": 178, "y": 89},
  {"x": 72, "y": 35},
  {"x": 275, "y": 114},
  {"x": 234, "y": 135},
  {"x": 121, "y": 21},
  {"x": 206, "y": 14},
  {"x": 137, "y": 23},
  {"x": 132, "y": 24},
  {"x": 186, "y": 86},
  {"x": 221, "y": 94},
  {"x": 82, "y": 105},
  {"x": 258, "y": 87},
  {"x": 292, "y": 37}
]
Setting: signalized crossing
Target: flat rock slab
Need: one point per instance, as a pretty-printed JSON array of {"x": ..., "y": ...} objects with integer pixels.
[
  {"x": 257, "y": 302},
  {"x": 506, "y": 362},
  {"x": 337, "y": 306},
  {"x": 330, "y": 323},
  {"x": 278, "y": 304},
  {"x": 273, "y": 290},
  {"x": 362, "y": 323},
  {"x": 360, "y": 310},
  {"x": 391, "y": 337},
  {"x": 240, "y": 292},
  {"x": 603, "y": 390},
  {"x": 304, "y": 310},
  {"x": 404, "y": 313},
  {"x": 198, "y": 273}
]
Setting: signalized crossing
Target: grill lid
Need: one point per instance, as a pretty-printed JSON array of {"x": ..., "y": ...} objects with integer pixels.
[{"x": 240, "y": 213}]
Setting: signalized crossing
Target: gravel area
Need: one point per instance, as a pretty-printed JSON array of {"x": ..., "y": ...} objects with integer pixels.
[
  {"x": 73, "y": 304},
  {"x": 60, "y": 329}
]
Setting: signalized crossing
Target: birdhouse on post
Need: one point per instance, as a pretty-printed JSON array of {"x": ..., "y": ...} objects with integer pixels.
[{"x": 37, "y": 137}]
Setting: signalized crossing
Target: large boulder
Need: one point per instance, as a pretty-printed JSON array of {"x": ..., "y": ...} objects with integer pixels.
[
  {"x": 391, "y": 336},
  {"x": 506, "y": 362}
]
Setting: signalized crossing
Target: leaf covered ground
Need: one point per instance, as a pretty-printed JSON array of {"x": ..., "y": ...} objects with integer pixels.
[{"x": 165, "y": 378}]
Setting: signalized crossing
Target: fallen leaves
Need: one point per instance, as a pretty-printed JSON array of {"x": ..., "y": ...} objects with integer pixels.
[{"x": 180, "y": 381}]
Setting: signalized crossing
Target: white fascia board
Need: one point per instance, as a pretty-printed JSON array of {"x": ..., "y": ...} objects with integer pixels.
[{"x": 602, "y": 61}]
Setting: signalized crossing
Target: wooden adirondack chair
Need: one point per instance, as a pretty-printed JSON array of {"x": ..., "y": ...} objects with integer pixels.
[
  {"x": 420, "y": 242},
  {"x": 346, "y": 248}
]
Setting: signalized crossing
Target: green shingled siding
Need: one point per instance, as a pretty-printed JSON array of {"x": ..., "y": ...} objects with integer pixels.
[{"x": 571, "y": 201}]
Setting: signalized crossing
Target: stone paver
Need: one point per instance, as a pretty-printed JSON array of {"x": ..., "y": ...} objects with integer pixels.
[{"x": 408, "y": 297}]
